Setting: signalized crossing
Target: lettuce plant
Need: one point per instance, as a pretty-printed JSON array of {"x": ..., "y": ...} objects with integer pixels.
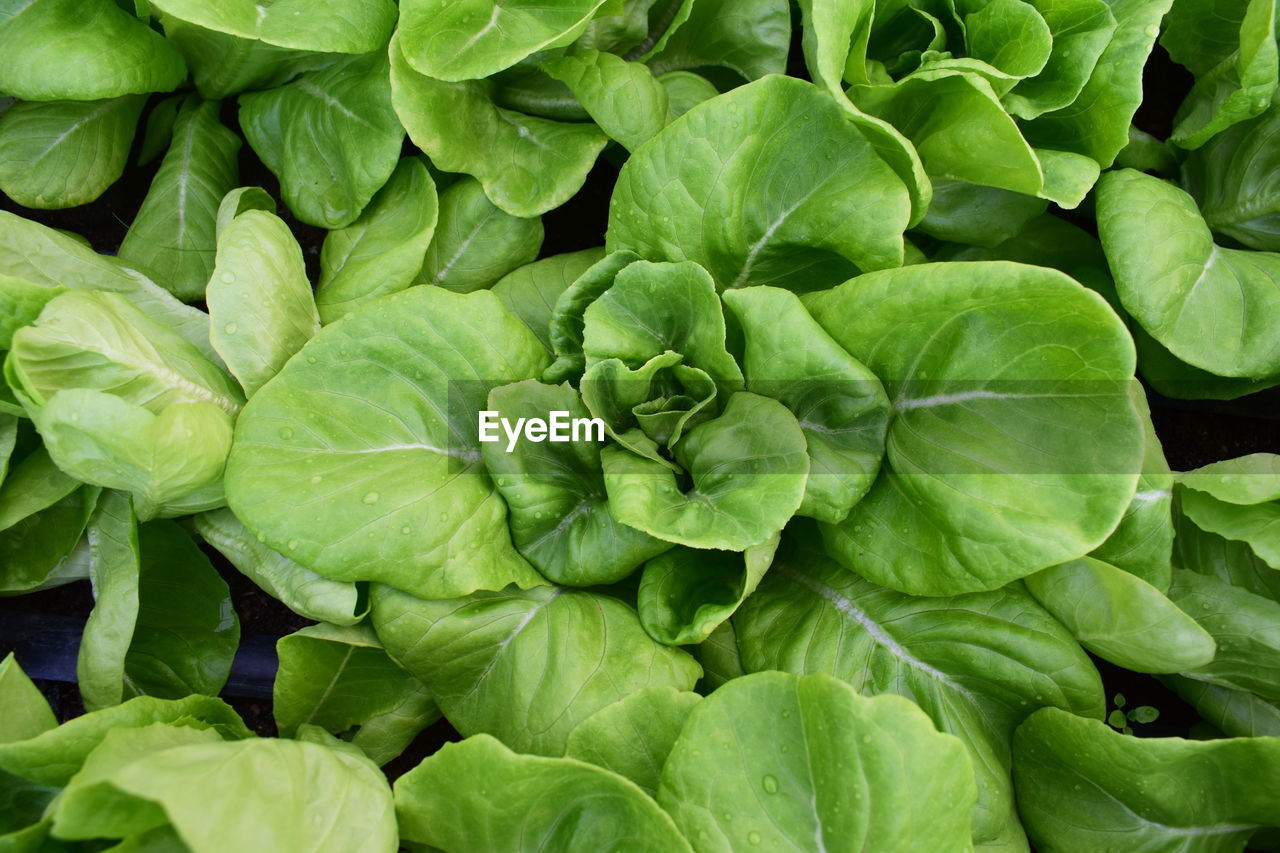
[{"x": 869, "y": 512}]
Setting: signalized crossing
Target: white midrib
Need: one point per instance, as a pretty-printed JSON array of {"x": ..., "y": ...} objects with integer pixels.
[
  {"x": 173, "y": 379},
  {"x": 1152, "y": 495},
  {"x": 469, "y": 455},
  {"x": 457, "y": 255},
  {"x": 583, "y": 507},
  {"x": 515, "y": 632},
  {"x": 311, "y": 89},
  {"x": 904, "y": 405},
  {"x": 183, "y": 174},
  {"x": 759, "y": 245},
  {"x": 483, "y": 31},
  {"x": 61, "y": 137},
  {"x": 324, "y": 697},
  {"x": 873, "y": 629}
]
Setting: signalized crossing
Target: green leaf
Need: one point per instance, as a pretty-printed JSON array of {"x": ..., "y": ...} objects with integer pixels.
[
  {"x": 555, "y": 494},
  {"x": 171, "y": 463},
  {"x": 91, "y": 807},
  {"x": 527, "y": 165},
  {"x": 370, "y": 432},
  {"x": 335, "y": 678},
  {"x": 1231, "y": 48},
  {"x": 223, "y": 65},
  {"x": 468, "y": 39},
  {"x": 53, "y": 757},
  {"x": 297, "y": 587},
  {"x": 804, "y": 762},
  {"x": 974, "y": 663},
  {"x": 980, "y": 216},
  {"x": 383, "y": 737},
  {"x": 1233, "y": 179},
  {"x": 33, "y": 484},
  {"x": 476, "y": 242},
  {"x": 1096, "y": 123},
  {"x": 1251, "y": 479},
  {"x": 633, "y": 736},
  {"x": 1238, "y": 713},
  {"x": 750, "y": 37},
  {"x": 747, "y": 468},
  {"x": 622, "y": 97},
  {"x": 530, "y": 292},
  {"x": 1081, "y": 30},
  {"x": 479, "y": 794},
  {"x": 526, "y": 666},
  {"x": 1257, "y": 525},
  {"x": 39, "y": 548},
  {"x": 1245, "y": 628},
  {"x": 1209, "y": 305},
  {"x": 1231, "y": 562},
  {"x": 174, "y": 235},
  {"x": 330, "y": 136},
  {"x": 113, "y": 570},
  {"x": 567, "y": 318},
  {"x": 20, "y": 304},
  {"x": 278, "y": 785},
  {"x": 27, "y": 712},
  {"x": 719, "y": 657},
  {"x": 382, "y": 251},
  {"x": 800, "y": 207},
  {"x": 100, "y": 341},
  {"x": 1121, "y": 618},
  {"x": 260, "y": 301},
  {"x": 1082, "y": 786},
  {"x": 840, "y": 404},
  {"x": 65, "y": 153},
  {"x": 686, "y": 593},
  {"x": 990, "y": 368},
  {"x": 242, "y": 200},
  {"x": 82, "y": 50},
  {"x": 334, "y": 26},
  {"x": 53, "y": 261}
]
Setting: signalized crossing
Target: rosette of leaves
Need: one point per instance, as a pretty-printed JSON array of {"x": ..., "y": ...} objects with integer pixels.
[
  {"x": 1007, "y": 104},
  {"x": 524, "y": 97}
]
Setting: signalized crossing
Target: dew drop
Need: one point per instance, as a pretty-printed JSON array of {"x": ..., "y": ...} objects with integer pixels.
[
  {"x": 286, "y": 433},
  {"x": 231, "y": 328},
  {"x": 371, "y": 498},
  {"x": 311, "y": 359},
  {"x": 770, "y": 783},
  {"x": 406, "y": 530},
  {"x": 293, "y": 544},
  {"x": 753, "y": 838},
  {"x": 315, "y": 479},
  {"x": 229, "y": 278},
  {"x": 444, "y": 516}
]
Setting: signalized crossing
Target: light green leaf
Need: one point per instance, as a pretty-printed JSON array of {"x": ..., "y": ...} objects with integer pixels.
[
  {"x": 27, "y": 712},
  {"x": 800, "y": 207},
  {"x": 278, "y": 785},
  {"x": 985, "y": 466},
  {"x": 747, "y": 468},
  {"x": 974, "y": 663},
  {"x": 685, "y": 90},
  {"x": 174, "y": 235},
  {"x": 91, "y": 807},
  {"x": 804, "y": 762},
  {"x": 1251, "y": 479},
  {"x": 223, "y": 65},
  {"x": 65, "y": 153},
  {"x": 571, "y": 305},
  {"x": 334, "y": 26},
  {"x": 1257, "y": 525},
  {"x": 526, "y": 666},
  {"x": 100, "y": 341},
  {"x": 555, "y": 493},
  {"x": 171, "y": 463},
  {"x": 1083, "y": 786},
  {"x": 383, "y": 737},
  {"x": 330, "y": 136},
  {"x": 750, "y": 37},
  {"x": 1209, "y": 305},
  {"x": 839, "y": 404},
  {"x": 469, "y": 39},
  {"x": 476, "y": 242},
  {"x": 622, "y": 97},
  {"x": 297, "y": 587},
  {"x": 113, "y": 570},
  {"x": 20, "y": 304},
  {"x": 633, "y": 736},
  {"x": 1096, "y": 123},
  {"x": 382, "y": 251},
  {"x": 687, "y": 593},
  {"x": 335, "y": 678},
  {"x": 53, "y": 757},
  {"x": 371, "y": 433},
  {"x": 1245, "y": 626},
  {"x": 527, "y": 165},
  {"x": 1233, "y": 179},
  {"x": 1231, "y": 562},
  {"x": 241, "y": 200},
  {"x": 980, "y": 216},
  {"x": 82, "y": 50},
  {"x": 1081, "y": 30},
  {"x": 1121, "y": 618},
  {"x": 260, "y": 301},
  {"x": 530, "y": 292},
  {"x": 480, "y": 795},
  {"x": 54, "y": 261}
]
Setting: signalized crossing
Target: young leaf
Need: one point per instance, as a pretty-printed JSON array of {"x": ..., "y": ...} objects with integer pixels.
[
  {"x": 476, "y": 243},
  {"x": 333, "y": 26}
]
